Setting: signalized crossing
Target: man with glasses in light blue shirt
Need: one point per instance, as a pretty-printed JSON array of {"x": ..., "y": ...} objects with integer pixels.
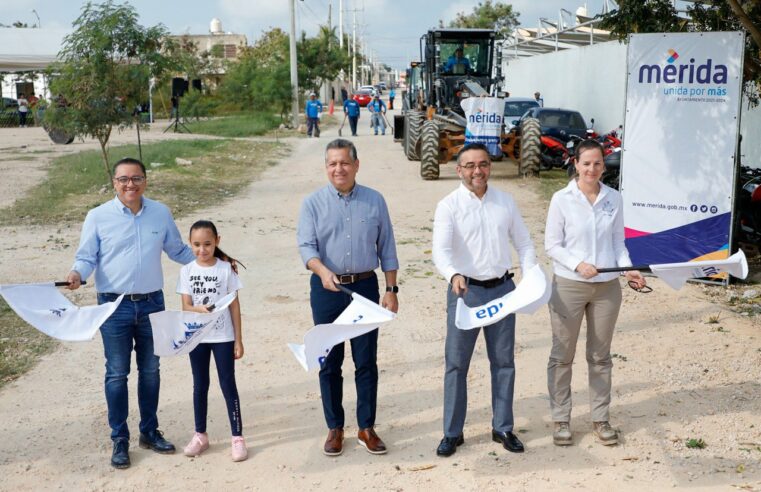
[
  {"x": 121, "y": 242},
  {"x": 344, "y": 234}
]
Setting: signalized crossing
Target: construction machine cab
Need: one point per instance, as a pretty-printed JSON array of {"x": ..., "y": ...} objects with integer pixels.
[{"x": 458, "y": 64}]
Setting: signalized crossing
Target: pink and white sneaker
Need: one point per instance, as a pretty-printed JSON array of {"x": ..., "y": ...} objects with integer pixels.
[
  {"x": 239, "y": 450},
  {"x": 197, "y": 445}
]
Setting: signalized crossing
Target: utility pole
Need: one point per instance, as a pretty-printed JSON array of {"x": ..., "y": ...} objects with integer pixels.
[
  {"x": 341, "y": 24},
  {"x": 354, "y": 52},
  {"x": 294, "y": 69}
]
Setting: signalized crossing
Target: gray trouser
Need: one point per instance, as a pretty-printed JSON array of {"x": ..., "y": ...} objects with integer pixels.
[
  {"x": 500, "y": 341},
  {"x": 570, "y": 301}
]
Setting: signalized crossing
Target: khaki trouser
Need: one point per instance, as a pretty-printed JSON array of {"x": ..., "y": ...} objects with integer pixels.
[{"x": 570, "y": 301}]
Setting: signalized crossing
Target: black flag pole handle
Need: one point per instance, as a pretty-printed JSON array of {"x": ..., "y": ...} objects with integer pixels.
[
  {"x": 344, "y": 289},
  {"x": 641, "y": 268},
  {"x": 64, "y": 283}
]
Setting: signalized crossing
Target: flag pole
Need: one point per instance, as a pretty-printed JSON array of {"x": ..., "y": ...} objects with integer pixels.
[
  {"x": 641, "y": 268},
  {"x": 344, "y": 289}
]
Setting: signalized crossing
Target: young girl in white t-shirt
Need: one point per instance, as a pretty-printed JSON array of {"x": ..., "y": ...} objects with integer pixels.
[{"x": 201, "y": 283}]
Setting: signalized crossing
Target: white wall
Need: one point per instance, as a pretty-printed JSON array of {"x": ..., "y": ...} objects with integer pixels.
[{"x": 592, "y": 80}]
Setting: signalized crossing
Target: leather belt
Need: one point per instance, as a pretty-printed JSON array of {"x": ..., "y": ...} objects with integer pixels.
[
  {"x": 350, "y": 278},
  {"x": 132, "y": 297},
  {"x": 492, "y": 282}
]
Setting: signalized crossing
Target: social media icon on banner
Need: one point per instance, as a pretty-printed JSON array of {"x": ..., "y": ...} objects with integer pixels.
[
  {"x": 704, "y": 208},
  {"x": 694, "y": 208}
]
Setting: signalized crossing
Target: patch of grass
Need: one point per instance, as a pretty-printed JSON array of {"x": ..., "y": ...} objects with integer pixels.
[
  {"x": 240, "y": 125},
  {"x": 693, "y": 443},
  {"x": 551, "y": 181},
  {"x": 713, "y": 318},
  {"x": 20, "y": 345},
  {"x": 77, "y": 183}
]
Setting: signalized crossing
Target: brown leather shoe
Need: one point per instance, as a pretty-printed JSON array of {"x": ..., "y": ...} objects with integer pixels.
[
  {"x": 334, "y": 444},
  {"x": 370, "y": 440}
]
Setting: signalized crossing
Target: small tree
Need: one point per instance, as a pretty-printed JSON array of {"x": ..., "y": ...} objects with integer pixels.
[
  {"x": 106, "y": 65},
  {"x": 488, "y": 15},
  {"x": 320, "y": 58}
]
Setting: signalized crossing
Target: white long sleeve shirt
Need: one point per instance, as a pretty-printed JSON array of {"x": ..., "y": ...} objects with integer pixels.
[
  {"x": 578, "y": 231},
  {"x": 472, "y": 236}
]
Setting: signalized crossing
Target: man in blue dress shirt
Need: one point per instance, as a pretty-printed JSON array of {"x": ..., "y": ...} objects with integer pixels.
[
  {"x": 344, "y": 233},
  {"x": 121, "y": 242}
]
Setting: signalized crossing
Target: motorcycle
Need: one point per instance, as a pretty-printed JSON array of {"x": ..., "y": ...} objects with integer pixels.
[
  {"x": 748, "y": 205},
  {"x": 611, "y": 145}
]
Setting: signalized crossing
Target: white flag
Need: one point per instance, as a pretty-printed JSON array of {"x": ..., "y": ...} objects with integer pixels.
[
  {"x": 178, "y": 332},
  {"x": 44, "y": 307},
  {"x": 360, "y": 317},
  {"x": 532, "y": 293},
  {"x": 676, "y": 274}
]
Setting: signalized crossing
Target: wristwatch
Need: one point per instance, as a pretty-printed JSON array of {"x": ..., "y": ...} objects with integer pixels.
[{"x": 393, "y": 288}]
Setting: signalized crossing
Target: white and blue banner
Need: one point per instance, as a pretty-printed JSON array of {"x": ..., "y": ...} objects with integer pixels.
[
  {"x": 529, "y": 295},
  {"x": 45, "y": 308},
  {"x": 485, "y": 116},
  {"x": 179, "y": 332},
  {"x": 360, "y": 317},
  {"x": 683, "y": 98}
]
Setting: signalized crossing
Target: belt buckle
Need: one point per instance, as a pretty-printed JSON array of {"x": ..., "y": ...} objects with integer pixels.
[
  {"x": 346, "y": 279},
  {"x": 137, "y": 297}
]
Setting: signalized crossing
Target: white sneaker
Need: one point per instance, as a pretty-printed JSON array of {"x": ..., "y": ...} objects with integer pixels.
[
  {"x": 197, "y": 445},
  {"x": 239, "y": 450}
]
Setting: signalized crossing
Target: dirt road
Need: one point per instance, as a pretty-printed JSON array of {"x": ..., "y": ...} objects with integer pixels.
[{"x": 675, "y": 378}]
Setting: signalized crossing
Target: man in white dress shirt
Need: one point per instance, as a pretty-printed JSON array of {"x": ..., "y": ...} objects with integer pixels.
[{"x": 472, "y": 231}]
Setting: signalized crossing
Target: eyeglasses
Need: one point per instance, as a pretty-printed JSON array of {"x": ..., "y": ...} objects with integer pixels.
[
  {"x": 136, "y": 180},
  {"x": 470, "y": 166}
]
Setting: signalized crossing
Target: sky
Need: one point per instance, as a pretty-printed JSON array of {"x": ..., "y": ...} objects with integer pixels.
[{"x": 391, "y": 29}]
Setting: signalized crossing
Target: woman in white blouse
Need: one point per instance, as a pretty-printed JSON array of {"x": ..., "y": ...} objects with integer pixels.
[{"x": 585, "y": 230}]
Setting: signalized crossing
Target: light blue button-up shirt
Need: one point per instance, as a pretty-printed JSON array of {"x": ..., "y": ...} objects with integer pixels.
[
  {"x": 349, "y": 234},
  {"x": 124, "y": 249}
]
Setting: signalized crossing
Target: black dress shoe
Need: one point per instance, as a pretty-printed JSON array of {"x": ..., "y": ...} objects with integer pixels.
[
  {"x": 509, "y": 441},
  {"x": 155, "y": 440},
  {"x": 448, "y": 445},
  {"x": 120, "y": 455}
]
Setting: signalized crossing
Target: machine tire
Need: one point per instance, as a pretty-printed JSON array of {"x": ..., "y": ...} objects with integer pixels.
[
  {"x": 414, "y": 120},
  {"x": 59, "y": 136},
  {"x": 531, "y": 148},
  {"x": 429, "y": 150}
]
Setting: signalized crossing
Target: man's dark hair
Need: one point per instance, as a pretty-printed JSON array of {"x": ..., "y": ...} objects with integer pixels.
[
  {"x": 472, "y": 146},
  {"x": 128, "y": 160},
  {"x": 341, "y": 143}
]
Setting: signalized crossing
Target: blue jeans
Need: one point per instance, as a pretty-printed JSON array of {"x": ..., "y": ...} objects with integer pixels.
[
  {"x": 377, "y": 121},
  {"x": 130, "y": 326},
  {"x": 326, "y": 307}
]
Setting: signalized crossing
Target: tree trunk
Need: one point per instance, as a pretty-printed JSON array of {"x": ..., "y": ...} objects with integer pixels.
[
  {"x": 747, "y": 23},
  {"x": 103, "y": 141}
]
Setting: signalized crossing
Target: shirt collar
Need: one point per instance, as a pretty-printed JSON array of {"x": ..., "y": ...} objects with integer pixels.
[
  {"x": 469, "y": 194},
  {"x": 573, "y": 189},
  {"x": 125, "y": 209},
  {"x": 335, "y": 192}
]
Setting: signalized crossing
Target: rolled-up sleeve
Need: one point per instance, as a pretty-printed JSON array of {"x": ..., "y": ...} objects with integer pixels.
[
  {"x": 86, "y": 258},
  {"x": 442, "y": 241},
  {"x": 386, "y": 242},
  {"x": 306, "y": 234},
  {"x": 554, "y": 237},
  {"x": 174, "y": 246}
]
